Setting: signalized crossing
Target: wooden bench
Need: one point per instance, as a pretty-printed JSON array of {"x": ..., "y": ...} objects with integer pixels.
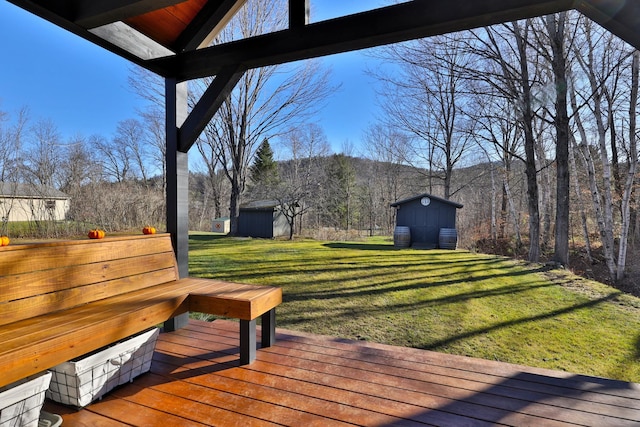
[{"x": 60, "y": 300}]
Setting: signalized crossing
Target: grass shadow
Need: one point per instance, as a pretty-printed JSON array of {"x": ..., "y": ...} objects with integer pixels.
[
  {"x": 360, "y": 246},
  {"x": 437, "y": 345},
  {"x": 207, "y": 237}
]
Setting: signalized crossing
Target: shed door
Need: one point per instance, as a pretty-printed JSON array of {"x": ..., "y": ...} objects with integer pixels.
[
  {"x": 424, "y": 227},
  {"x": 255, "y": 224}
]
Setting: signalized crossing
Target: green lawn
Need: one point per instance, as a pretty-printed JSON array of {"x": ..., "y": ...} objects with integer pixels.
[{"x": 448, "y": 301}]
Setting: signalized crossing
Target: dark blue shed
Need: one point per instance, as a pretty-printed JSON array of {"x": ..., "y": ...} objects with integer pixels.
[
  {"x": 425, "y": 216},
  {"x": 262, "y": 218}
]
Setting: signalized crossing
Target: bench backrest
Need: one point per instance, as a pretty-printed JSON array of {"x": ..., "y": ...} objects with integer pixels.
[{"x": 45, "y": 277}]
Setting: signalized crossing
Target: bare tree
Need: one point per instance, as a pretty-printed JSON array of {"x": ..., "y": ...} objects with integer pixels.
[
  {"x": 42, "y": 155},
  {"x": 130, "y": 141},
  {"x": 601, "y": 66},
  {"x": 11, "y": 145},
  {"x": 386, "y": 148},
  {"x": 216, "y": 177},
  {"x": 115, "y": 160},
  {"x": 296, "y": 192},
  {"x": 521, "y": 35},
  {"x": 556, "y": 40},
  {"x": 78, "y": 172},
  {"x": 150, "y": 87},
  {"x": 578, "y": 189},
  {"x": 264, "y": 101},
  {"x": 502, "y": 137},
  {"x": 633, "y": 162},
  {"x": 428, "y": 99},
  {"x": 509, "y": 73},
  {"x": 155, "y": 140}
]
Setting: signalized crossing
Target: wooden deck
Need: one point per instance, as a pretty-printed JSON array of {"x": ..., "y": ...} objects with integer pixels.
[{"x": 308, "y": 380}]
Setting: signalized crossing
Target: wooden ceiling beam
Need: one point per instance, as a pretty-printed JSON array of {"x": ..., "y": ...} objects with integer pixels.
[
  {"x": 298, "y": 13},
  {"x": 213, "y": 17},
  {"x": 96, "y": 13},
  {"x": 622, "y": 18},
  {"x": 211, "y": 100},
  {"x": 392, "y": 24}
]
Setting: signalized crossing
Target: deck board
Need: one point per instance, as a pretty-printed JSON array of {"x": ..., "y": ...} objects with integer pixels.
[{"x": 310, "y": 380}]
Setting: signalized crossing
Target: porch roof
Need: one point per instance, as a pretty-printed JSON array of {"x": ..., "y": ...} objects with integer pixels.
[{"x": 173, "y": 37}]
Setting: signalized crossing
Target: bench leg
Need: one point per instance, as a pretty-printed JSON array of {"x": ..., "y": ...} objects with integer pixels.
[
  {"x": 175, "y": 323},
  {"x": 247, "y": 341},
  {"x": 248, "y": 336},
  {"x": 269, "y": 328}
]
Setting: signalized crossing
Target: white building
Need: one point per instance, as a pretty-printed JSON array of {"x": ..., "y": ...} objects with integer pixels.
[{"x": 26, "y": 202}]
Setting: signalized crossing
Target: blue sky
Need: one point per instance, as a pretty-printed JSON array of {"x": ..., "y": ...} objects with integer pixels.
[{"x": 83, "y": 88}]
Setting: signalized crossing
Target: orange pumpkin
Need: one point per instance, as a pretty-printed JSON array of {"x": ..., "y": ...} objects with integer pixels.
[
  {"x": 96, "y": 234},
  {"x": 4, "y": 241},
  {"x": 149, "y": 230}
]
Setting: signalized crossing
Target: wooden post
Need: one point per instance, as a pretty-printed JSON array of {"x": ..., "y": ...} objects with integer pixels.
[
  {"x": 298, "y": 13},
  {"x": 177, "y": 184}
]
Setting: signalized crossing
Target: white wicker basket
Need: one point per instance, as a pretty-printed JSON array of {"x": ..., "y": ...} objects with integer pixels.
[
  {"x": 21, "y": 402},
  {"x": 81, "y": 381}
]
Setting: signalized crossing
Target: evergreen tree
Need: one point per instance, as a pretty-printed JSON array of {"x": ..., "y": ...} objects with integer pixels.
[
  {"x": 264, "y": 171},
  {"x": 342, "y": 186}
]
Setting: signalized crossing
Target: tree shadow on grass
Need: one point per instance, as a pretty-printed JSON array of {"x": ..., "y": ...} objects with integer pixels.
[
  {"x": 438, "y": 345},
  {"x": 404, "y": 284},
  {"x": 246, "y": 270},
  {"x": 360, "y": 246},
  {"x": 207, "y": 237}
]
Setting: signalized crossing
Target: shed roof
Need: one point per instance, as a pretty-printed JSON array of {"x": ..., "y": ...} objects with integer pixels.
[
  {"x": 29, "y": 191},
  {"x": 420, "y": 196},
  {"x": 260, "y": 205}
]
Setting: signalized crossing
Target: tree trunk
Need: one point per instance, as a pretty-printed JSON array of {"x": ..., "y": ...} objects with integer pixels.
[
  {"x": 633, "y": 160},
  {"x": 234, "y": 205},
  {"x": 555, "y": 26},
  {"x": 493, "y": 226},
  {"x": 545, "y": 191},
  {"x": 504, "y": 213},
  {"x": 602, "y": 203},
  {"x": 513, "y": 214},
  {"x": 578, "y": 190},
  {"x": 529, "y": 144}
]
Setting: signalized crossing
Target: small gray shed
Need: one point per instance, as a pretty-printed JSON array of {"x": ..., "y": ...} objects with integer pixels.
[
  {"x": 262, "y": 218},
  {"x": 428, "y": 219}
]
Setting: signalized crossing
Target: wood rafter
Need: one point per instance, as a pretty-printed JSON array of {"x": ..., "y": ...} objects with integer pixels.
[
  {"x": 621, "y": 18},
  {"x": 207, "y": 106},
  {"x": 208, "y": 24},
  {"x": 404, "y": 21},
  {"x": 95, "y": 13}
]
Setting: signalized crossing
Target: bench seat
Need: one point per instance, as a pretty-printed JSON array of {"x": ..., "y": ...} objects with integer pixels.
[
  {"x": 93, "y": 304},
  {"x": 244, "y": 302}
]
